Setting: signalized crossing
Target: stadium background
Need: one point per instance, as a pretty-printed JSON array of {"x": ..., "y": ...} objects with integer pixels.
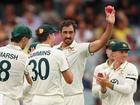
[{"x": 89, "y": 14}]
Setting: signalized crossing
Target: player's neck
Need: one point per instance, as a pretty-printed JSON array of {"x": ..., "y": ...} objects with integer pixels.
[
  {"x": 110, "y": 62},
  {"x": 17, "y": 44},
  {"x": 64, "y": 45},
  {"x": 47, "y": 42},
  {"x": 117, "y": 65}
]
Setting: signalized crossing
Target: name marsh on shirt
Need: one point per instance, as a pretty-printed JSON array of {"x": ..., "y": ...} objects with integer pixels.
[{"x": 8, "y": 55}]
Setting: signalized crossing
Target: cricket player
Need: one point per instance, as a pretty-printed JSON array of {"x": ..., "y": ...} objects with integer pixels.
[
  {"x": 101, "y": 69},
  {"x": 12, "y": 66},
  {"x": 119, "y": 83},
  {"x": 77, "y": 54},
  {"x": 48, "y": 65}
]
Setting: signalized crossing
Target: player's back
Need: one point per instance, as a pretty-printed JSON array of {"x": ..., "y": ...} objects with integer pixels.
[
  {"x": 45, "y": 63},
  {"x": 12, "y": 64}
]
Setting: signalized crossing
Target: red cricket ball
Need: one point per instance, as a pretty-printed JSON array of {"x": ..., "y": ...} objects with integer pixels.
[{"x": 109, "y": 8}]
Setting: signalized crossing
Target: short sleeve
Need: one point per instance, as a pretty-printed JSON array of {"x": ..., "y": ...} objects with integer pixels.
[
  {"x": 132, "y": 73},
  {"x": 27, "y": 67},
  {"x": 63, "y": 63},
  {"x": 23, "y": 60},
  {"x": 84, "y": 49}
]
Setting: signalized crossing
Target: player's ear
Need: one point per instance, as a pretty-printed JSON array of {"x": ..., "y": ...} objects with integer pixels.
[
  {"x": 50, "y": 36},
  {"x": 24, "y": 39}
]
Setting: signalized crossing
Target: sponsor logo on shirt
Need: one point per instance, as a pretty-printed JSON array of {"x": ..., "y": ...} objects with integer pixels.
[{"x": 114, "y": 81}]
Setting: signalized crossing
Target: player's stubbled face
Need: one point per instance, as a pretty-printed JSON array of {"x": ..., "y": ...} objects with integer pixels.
[
  {"x": 68, "y": 34},
  {"x": 120, "y": 56}
]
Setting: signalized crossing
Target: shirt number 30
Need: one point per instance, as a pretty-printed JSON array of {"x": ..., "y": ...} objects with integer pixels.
[{"x": 38, "y": 69}]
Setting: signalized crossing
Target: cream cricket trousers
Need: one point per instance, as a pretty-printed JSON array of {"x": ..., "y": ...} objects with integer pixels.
[
  {"x": 47, "y": 100},
  {"x": 77, "y": 99}
]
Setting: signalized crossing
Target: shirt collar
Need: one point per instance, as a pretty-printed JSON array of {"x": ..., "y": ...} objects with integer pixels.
[
  {"x": 122, "y": 66},
  {"x": 74, "y": 43},
  {"x": 14, "y": 47},
  {"x": 107, "y": 61},
  {"x": 42, "y": 45}
]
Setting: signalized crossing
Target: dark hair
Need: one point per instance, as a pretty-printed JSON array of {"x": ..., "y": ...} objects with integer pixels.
[
  {"x": 43, "y": 37},
  {"x": 18, "y": 39},
  {"x": 67, "y": 23}
]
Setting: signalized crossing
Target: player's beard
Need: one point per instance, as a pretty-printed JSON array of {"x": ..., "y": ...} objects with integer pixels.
[{"x": 68, "y": 41}]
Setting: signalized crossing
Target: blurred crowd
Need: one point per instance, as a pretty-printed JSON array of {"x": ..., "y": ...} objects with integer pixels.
[{"x": 90, "y": 17}]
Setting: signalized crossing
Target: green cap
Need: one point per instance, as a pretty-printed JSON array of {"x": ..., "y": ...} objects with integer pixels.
[
  {"x": 45, "y": 29},
  {"x": 111, "y": 43},
  {"x": 120, "y": 46},
  {"x": 21, "y": 30}
]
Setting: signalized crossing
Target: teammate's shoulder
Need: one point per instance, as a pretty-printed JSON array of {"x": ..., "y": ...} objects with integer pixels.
[
  {"x": 57, "y": 50},
  {"x": 22, "y": 54},
  {"x": 132, "y": 71},
  {"x": 3, "y": 47},
  {"x": 82, "y": 44},
  {"x": 101, "y": 65},
  {"x": 58, "y": 54},
  {"x": 100, "y": 68},
  {"x": 56, "y": 46},
  {"x": 131, "y": 67}
]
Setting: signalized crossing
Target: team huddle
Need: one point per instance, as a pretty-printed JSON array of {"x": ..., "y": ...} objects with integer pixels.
[{"x": 52, "y": 75}]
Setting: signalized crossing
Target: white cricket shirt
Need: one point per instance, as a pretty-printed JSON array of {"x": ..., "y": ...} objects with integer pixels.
[
  {"x": 125, "y": 84},
  {"x": 46, "y": 64},
  {"x": 12, "y": 67},
  {"x": 76, "y": 55}
]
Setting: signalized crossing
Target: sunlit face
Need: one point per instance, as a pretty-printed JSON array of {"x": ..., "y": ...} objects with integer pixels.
[
  {"x": 120, "y": 56},
  {"x": 68, "y": 34},
  {"x": 109, "y": 53}
]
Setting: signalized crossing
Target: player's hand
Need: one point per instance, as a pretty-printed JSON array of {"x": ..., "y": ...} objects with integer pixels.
[
  {"x": 100, "y": 75},
  {"x": 102, "y": 80},
  {"x": 110, "y": 17}
]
